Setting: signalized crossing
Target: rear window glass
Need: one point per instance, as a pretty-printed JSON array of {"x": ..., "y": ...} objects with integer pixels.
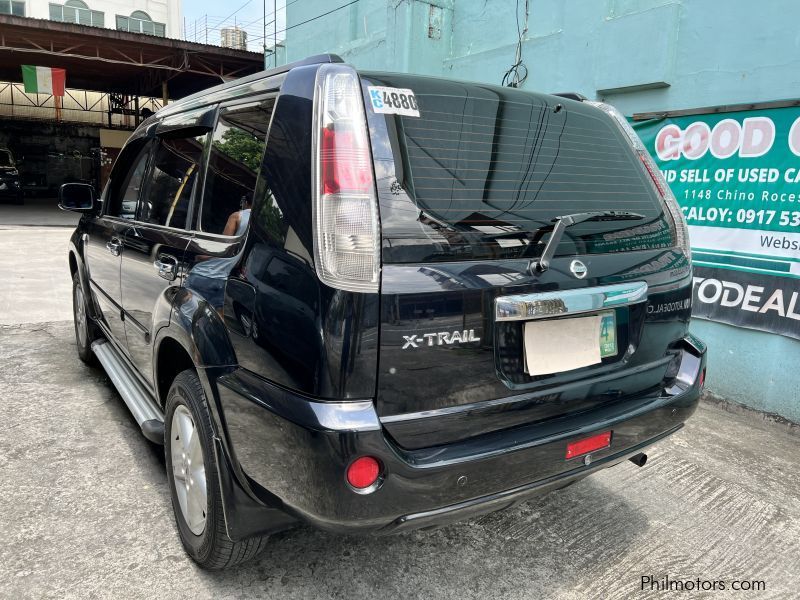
[{"x": 483, "y": 169}]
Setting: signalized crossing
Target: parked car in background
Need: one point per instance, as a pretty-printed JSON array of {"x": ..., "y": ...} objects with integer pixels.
[
  {"x": 378, "y": 302},
  {"x": 10, "y": 186}
]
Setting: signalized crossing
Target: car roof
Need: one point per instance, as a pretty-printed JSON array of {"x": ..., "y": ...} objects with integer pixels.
[{"x": 205, "y": 96}]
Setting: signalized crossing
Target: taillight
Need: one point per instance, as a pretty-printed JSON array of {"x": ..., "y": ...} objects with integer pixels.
[
  {"x": 661, "y": 187},
  {"x": 346, "y": 228}
]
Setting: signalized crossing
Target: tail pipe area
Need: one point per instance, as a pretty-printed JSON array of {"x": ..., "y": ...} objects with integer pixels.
[{"x": 639, "y": 459}]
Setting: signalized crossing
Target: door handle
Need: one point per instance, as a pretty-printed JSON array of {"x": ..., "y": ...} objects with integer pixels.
[
  {"x": 114, "y": 246},
  {"x": 167, "y": 267}
]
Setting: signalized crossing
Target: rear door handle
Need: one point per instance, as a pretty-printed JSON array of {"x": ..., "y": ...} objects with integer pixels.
[
  {"x": 167, "y": 267},
  {"x": 114, "y": 246}
]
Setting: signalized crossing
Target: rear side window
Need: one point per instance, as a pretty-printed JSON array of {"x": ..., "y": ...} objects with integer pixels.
[
  {"x": 176, "y": 167},
  {"x": 237, "y": 150},
  {"x": 483, "y": 169}
]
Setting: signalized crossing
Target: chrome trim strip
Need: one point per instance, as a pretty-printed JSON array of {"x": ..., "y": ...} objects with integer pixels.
[
  {"x": 525, "y": 307},
  {"x": 483, "y": 405},
  {"x": 346, "y": 416}
]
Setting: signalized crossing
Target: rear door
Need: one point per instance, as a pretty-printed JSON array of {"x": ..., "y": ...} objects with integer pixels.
[
  {"x": 469, "y": 191},
  {"x": 107, "y": 234},
  {"x": 152, "y": 262}
]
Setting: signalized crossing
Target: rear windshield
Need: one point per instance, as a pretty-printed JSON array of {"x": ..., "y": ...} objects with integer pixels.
[{"x": 483, "y": 170}]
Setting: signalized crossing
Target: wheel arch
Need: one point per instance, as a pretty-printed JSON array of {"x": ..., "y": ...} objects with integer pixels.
[
  {"x": 171, "y": 359},
  {"x": 78, "y": 265}
]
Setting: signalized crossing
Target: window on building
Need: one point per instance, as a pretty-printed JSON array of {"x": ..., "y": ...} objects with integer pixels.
[
  {"x": 76, "y": 11},
  {"x": 12, "y": 7},
  {"x": 140, "y": 22}
]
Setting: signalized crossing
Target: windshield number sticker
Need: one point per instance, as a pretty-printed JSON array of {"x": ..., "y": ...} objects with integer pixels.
[{"x": 393, "y": 101}]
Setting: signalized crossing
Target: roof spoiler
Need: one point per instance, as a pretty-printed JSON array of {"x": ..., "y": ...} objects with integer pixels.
[{"x": 572, "y": 96}]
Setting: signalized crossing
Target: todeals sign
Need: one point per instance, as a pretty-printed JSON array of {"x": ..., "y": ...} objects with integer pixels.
[{"x": 736, "y": 176}]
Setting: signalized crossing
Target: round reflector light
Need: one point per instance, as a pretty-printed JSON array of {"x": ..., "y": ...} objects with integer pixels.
[{"x": 363, "y": 472}]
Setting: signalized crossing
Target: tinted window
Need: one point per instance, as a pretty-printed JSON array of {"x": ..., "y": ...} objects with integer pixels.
[
  {"x": 176, "y": 166},
  {"x": 484, "y": 169},
  {"x": 126, "y": 179},
  {"x": 234, "y": 164}
]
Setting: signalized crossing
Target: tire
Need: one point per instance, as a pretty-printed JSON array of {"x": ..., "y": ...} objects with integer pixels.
[
  {"x": 85, "y": 329},
  {"x": 199, "y": 517}
]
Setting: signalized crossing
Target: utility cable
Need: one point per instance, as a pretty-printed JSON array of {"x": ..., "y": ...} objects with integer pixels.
[{"x": 518, "y": 72}]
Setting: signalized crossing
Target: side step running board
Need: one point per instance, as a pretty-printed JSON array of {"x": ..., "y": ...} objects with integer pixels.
[{"x": 147, "y": 414}]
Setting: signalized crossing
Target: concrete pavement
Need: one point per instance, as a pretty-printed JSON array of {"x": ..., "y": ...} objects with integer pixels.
[
  {"x": 85, "y": 509},
  {"x": 37, "y": 212}
]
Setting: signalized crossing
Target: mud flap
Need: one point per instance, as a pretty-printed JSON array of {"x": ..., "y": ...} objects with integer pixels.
[{"x": 244, "y": 516}]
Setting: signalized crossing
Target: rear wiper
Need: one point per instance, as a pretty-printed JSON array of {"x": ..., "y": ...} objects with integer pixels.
[{"x": 564, "y": 221}]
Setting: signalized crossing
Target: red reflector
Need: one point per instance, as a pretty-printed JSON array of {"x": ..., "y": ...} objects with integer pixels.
[
  {"x": 702, "y": 380},
  {"x": 363, "y": 472},
  {"x": 596, "y": 442}
]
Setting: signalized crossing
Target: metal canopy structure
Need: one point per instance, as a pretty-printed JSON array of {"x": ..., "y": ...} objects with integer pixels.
[{"x": 107, "y": 60}]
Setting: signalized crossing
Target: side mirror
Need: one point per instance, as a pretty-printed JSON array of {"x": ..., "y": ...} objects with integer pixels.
[{"x": 77, "y": 197}]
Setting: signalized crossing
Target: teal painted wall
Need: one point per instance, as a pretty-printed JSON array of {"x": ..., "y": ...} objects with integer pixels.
[{"x": 640, "y": 55}]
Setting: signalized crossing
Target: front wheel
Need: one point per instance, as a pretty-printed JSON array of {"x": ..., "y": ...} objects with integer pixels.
[
  {"x": 85, "y": 330},
  {"x": 194, "y": 484}
]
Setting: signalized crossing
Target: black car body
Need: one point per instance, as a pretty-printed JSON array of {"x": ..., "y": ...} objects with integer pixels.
[
  {"x": 407, "y": 235},
  {"x": 10, "y": 185}
]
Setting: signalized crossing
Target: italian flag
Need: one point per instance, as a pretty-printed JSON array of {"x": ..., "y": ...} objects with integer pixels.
[{"x": 43, "y": 80}]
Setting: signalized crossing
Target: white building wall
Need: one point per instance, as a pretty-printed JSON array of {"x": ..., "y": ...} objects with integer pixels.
[{"x": 160, "y": 11}]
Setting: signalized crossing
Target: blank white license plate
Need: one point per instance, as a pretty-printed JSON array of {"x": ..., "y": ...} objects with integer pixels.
[{"x": 555, "y": 346}]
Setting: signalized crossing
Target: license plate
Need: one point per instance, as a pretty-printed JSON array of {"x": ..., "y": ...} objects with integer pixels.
[{"x": 558, "y": 345}]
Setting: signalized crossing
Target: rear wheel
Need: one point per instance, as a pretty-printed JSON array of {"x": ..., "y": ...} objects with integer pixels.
[
  {"x": 85, "y": 329},
  {"x": 194, "y": 484}
]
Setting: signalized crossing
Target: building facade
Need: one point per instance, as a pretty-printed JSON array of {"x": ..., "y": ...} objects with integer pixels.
[
  {"x": 151, "y": 17},
  {"x": 233, "y": 37},
  {"x": 640, "y": 55}
]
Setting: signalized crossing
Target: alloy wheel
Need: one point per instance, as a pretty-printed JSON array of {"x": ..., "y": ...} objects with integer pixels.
[{"x": 188, "y": 469}]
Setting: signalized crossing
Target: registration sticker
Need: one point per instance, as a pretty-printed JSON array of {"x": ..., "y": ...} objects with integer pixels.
[
  {"x": 393, "y": 101},
  {"x": 608, "y": 334}
]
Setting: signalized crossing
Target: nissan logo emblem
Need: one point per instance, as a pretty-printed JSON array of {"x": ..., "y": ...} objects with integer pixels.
[{"x": 578, "y": 269}]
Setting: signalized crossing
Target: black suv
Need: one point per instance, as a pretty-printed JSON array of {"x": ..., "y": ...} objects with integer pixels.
[
  {"x": 10, "y": 186},
  {"x": 376, "y": 302}
]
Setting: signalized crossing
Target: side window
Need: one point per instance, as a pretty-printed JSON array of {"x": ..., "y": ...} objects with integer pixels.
[
  {"x": 176, "y": 165},
  {"x": 126, "y": 179},
  {"x": 237, "y": 150}
]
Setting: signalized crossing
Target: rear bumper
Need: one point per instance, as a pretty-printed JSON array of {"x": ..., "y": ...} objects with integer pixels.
[
  {"x": 298, "y": 449},
  {"x": 508, "y": 498},
  {"x": 10, "y": 191}
]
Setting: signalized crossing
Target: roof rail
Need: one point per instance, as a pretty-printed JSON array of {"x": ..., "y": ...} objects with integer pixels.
[
  {"x": 182, "y": 104},
  {"x": 572, "y": 96}
]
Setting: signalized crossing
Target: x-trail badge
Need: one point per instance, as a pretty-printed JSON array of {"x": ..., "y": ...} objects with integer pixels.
[{"x": 578, "y": 269}]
